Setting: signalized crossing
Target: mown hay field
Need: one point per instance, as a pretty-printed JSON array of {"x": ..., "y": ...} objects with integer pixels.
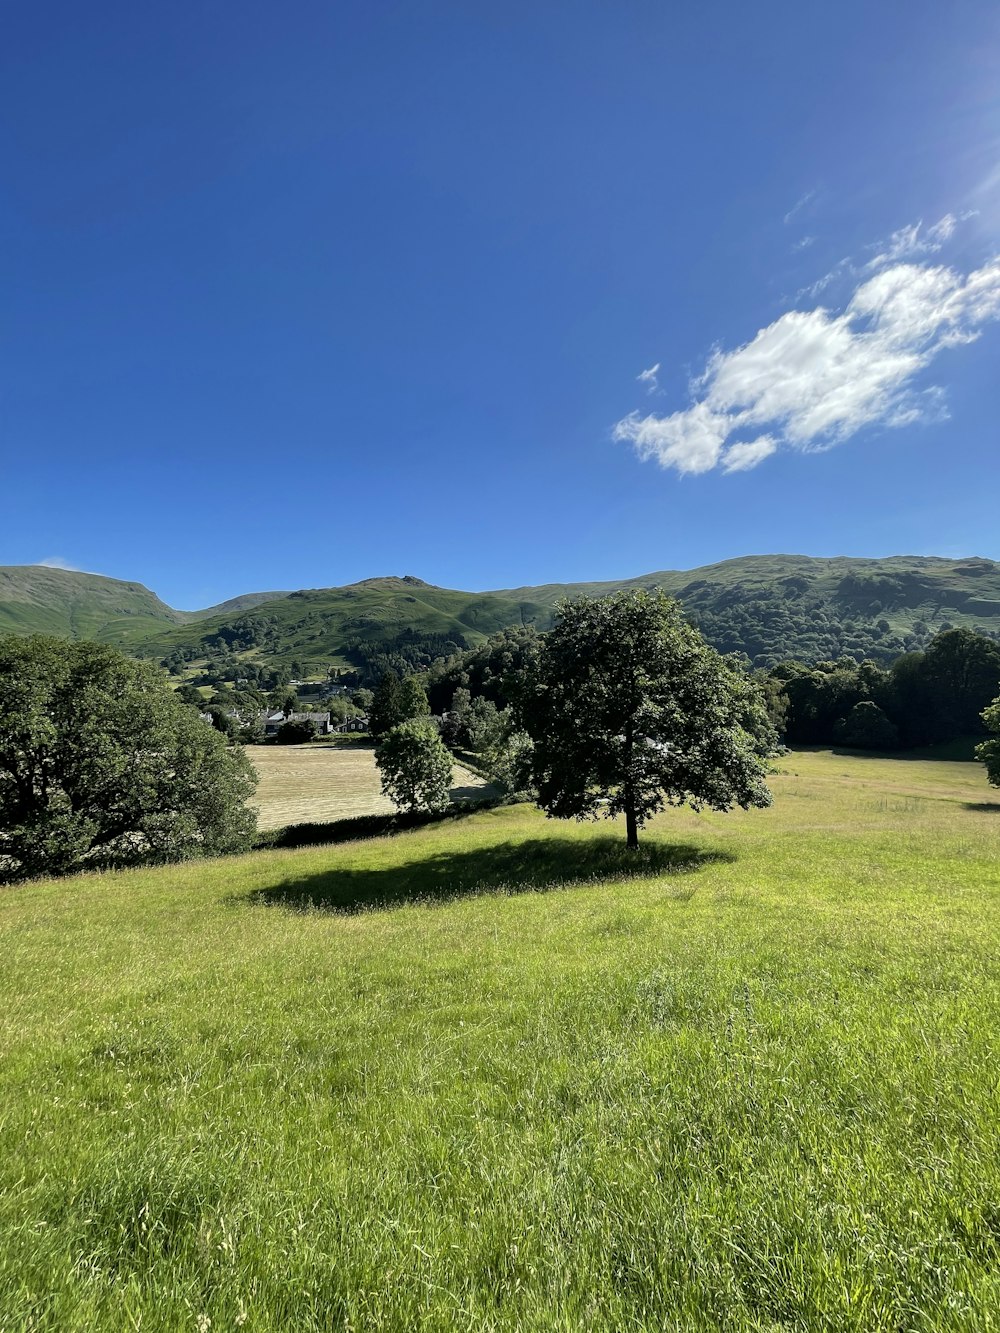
[
  {"x": 302, "y": 784},
  {"x": 498, "y": 1074}
]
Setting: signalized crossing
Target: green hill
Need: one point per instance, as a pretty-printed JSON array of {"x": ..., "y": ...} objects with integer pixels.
[
  {"x": 35, "y": 599},
  {"x": 318, "y": 627},
  {"x": 778, "y": 606},
  {"x": 769, "y": 607}
]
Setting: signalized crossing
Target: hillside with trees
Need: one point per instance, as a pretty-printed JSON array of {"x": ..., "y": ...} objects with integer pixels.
[{"x": 768, "y": 609}]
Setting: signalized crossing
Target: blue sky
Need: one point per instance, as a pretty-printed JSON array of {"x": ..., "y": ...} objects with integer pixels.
[{"x": 298, "y": 295}]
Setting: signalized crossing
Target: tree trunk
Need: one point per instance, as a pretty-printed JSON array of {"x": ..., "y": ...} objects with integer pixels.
[{"x": 631, "y": 830}]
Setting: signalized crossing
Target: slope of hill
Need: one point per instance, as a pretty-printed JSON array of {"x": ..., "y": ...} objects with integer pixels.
[
  {"x": 37, "y": 599},
  {"x": 246, "y": 602},
  {"x": 768, "y": 607},
  {"x": 315, "y": 628},
  {"x": 778, "y": 606}
]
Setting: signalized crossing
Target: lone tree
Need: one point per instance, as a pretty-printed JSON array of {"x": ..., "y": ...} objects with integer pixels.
[
  {"x": 989, "y": 751},
  {"x": 101, "y": 765},
  {"x": 414, "y": 766},
  {"x": 630, "y": 711}
]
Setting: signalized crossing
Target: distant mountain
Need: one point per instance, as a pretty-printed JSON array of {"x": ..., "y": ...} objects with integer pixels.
[
  {"x": 768, "y": 607},
  {"x": 236, "y": 604}
]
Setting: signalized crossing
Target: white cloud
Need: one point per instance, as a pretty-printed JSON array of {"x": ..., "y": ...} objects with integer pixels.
[
  {"x": 912, "y": 242},
  {"x": 804, "y": 243},
  {"x": 799, "y": 205},
  {"x": 843, "y": 268},
  {"x": 813, "y": 378},
  {"x": 57, "y": 562},
  {"x": 648, "y": 377},
  {"x": 741, "y": 457},
  {"x": 689, "y": 441}
]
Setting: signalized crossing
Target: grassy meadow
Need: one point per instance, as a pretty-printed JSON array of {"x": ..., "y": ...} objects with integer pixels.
[
  {"x": 316, "y": 783},
  {"x": 497, "y": 1074}
]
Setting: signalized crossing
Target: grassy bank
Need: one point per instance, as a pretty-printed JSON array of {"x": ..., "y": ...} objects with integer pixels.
[{"x": 495, "y": 1074}]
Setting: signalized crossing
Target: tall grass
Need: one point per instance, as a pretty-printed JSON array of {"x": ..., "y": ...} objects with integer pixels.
[{"x": 497, "y": 1074}]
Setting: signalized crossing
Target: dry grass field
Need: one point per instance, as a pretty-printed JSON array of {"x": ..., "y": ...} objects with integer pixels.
[{"x": 302, "y": 784}]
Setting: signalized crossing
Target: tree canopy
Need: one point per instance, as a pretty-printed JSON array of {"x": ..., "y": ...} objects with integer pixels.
[
  {"x": 396, "y": 701},
  {"x": 101, "y": 765},
  {"x": 922, "y": 699},
  {"x": 630, "y": 710},
  {"x": 415, "y": 766},
  {"x": 989, "y": 751}
]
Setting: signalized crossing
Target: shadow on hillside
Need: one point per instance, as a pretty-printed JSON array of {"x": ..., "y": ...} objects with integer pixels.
[
  {"x": 983, "y": 807},
  {"x": 507, "y": 867}
]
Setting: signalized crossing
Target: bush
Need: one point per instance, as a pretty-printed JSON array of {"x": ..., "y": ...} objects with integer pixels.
[{"x": 296, "y": 733}]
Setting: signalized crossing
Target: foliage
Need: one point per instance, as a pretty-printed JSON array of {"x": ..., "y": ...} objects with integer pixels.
[
  {"x": 396, "y": 701},
  {"x": 504, "y": 751},
  {"x": 296, "y": 731},
  {"x": 223, "y": 721},
  {"x": 631, "y": 710},
  {"x": 924, "y": 698},
  {"x": 283, "y": 699},
  {"x": 405, "y": 652},
  {"x": 414, "y": 766},
  {"x": 494, "y": 670},
  {"x": 989, "y": 751},
  {"x": 191, "y": 696},
  {"x": 866, "y": 727},
  {"x": 101, "y": 765}
]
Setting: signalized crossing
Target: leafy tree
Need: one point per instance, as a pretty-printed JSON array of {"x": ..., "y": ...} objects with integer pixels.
[
  {"x": 494, "y": 670},
  {"x": 192, "y": 697},
  {"x": 339, "y": 707},
  {"x": 866, "y": 727},
  {"x": 396, "y": 701},
  {"x": 296, "y": 732},
  {"x": 631, "y": 710},
  {"x": 459, "y": 712},
  {"x": 363, "y": 699},
  {"x": 223, "y": 721},
  {"x": 101, "y": 765},
  {"x": 414, "y": 766},
  {"x": 482, "y": 719},
  {"x": 504, "y": 750},
  {"x": 283, "y": 699},
  {"x": 989, "y": 751},
  {"x": 962, "y": 671}
]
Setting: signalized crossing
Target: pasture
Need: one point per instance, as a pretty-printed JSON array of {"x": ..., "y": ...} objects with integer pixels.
[
  {"x": 498, "y": 1074},
  {"x": 302, "y": 784}
]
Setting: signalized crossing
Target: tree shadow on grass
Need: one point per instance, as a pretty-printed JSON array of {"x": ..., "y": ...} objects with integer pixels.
[
  {"x": 983, "y": 807},
  {"x": 507, "y": 867},
  {"x": 357, "y": 827}
]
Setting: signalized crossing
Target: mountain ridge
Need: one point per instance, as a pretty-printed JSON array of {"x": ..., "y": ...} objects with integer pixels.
[{"x": 766, "y": 606}]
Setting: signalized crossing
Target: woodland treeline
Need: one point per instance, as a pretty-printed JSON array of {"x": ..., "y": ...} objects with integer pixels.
[{"x": 920, "y": 698}]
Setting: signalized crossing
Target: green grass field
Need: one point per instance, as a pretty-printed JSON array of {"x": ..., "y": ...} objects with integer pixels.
[{"x": 496, "y": 1075}]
